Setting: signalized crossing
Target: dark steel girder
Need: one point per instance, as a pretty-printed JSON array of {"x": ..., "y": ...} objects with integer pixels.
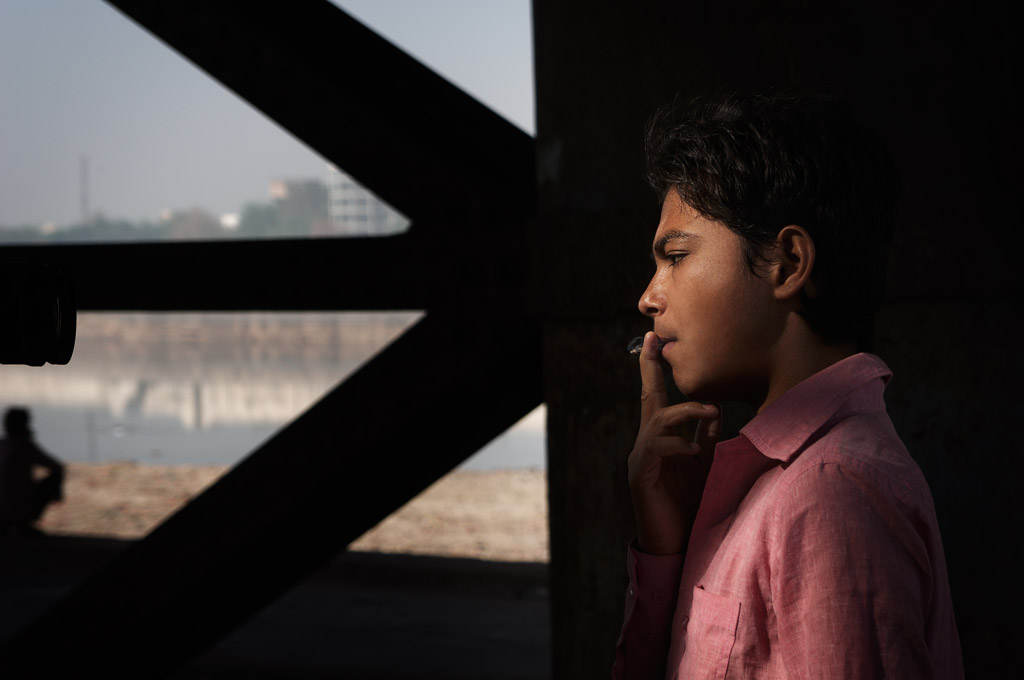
[
  {"x": 416, "y": 140},
  {"x": 433, "y": 397},
  {"x": 465, "y": 373},
  {"x": 462, "y": 173},
  {"x": 410, "y": 271}
]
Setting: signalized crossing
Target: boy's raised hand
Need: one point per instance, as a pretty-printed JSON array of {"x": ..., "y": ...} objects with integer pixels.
[{"x": 667, "y": 470}]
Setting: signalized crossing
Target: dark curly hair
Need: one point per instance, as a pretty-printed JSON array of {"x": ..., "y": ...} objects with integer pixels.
[{"x": 757, "y": 163}]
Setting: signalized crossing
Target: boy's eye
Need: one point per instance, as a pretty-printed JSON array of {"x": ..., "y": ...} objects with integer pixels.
[{"x": 675, "y": 258}]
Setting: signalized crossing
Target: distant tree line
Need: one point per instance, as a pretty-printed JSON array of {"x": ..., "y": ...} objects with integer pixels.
[{"x": 301, "y": 211}]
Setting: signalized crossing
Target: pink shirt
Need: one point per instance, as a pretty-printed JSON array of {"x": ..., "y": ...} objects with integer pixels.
[{"x": 815, "y": 553}]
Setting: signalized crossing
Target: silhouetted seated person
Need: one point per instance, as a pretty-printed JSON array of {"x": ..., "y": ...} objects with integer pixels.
[{"x": 23, "y": 496}]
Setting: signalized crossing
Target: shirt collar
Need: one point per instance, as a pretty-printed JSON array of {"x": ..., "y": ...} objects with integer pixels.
[{"x": 784, "y": 427}]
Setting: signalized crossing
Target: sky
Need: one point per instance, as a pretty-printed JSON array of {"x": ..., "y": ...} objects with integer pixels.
[{"x": 77, "y": 78}]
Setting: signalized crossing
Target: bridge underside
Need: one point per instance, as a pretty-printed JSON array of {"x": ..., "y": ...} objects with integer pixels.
[{"x": 564, "y": 221}]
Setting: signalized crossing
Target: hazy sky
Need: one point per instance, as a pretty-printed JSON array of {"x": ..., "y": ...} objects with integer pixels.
[{"x": 78, "y": 78}]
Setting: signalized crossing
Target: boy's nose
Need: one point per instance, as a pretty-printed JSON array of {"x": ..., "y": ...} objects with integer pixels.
[{"x": 651, "y": 302}]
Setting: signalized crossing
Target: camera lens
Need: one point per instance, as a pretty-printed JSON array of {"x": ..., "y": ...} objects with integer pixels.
[{"x": 37, "y": 314}]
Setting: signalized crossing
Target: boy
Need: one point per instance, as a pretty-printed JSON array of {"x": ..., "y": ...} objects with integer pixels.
[{"x": 806, "y": 547}]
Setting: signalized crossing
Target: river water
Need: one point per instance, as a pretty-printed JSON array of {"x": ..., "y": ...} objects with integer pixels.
[{"x": 199, "y": 389}]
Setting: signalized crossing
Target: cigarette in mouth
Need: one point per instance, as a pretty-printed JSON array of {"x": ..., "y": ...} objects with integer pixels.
[{"x": 636, "y": 345}]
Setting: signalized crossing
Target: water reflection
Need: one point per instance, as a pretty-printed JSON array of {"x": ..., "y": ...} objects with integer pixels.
[{"x": 209, "y": 388}]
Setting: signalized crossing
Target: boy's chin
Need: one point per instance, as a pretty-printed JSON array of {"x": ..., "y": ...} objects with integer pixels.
[
  {"x": 680, "y": 391},
  {"x": 691, "y": 388}
]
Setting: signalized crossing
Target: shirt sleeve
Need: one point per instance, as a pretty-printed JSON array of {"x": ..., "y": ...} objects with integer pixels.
[
  {"x": 850, "y": 579},
  {"x": 643, "y": 644}
]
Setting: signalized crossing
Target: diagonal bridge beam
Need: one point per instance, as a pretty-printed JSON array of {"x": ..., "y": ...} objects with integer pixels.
[
  {"x": 433, "y": 397},
  {"x": 465, "y": 373},
  {"x": 420, "y": 143}
]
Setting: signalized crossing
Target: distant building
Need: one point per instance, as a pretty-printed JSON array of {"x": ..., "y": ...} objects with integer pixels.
[
  {"x": 294, "y": 189},
  {"x": 354, "y": 211},
  {"x": 229, "y": 221}
]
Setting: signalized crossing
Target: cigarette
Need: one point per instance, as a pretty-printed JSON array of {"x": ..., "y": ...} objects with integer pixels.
[{"x": 636, "y": 345}]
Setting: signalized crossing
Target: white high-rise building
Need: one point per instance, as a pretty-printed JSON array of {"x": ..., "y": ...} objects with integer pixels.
[{"x": 355, "y": 211}]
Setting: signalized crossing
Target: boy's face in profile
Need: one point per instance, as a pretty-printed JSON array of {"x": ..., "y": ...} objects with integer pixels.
[{"x": 719, "y": 321}]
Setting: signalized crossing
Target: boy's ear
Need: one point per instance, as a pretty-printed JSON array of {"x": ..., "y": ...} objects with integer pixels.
[{"x": 794, "y": 250}]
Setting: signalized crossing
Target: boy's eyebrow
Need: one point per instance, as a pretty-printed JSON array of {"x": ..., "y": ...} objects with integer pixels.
[{"x": 659, "y": 246}]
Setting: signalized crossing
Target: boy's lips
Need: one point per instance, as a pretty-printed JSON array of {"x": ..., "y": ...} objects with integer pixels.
[{"x": 665, "y": 346}]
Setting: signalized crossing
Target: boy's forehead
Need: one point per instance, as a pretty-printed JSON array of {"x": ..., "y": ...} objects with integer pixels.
[
  {"x": 678, "y": 220},
  {"x": 674, "y": 209},
  {"x": 673, "y": 204}
]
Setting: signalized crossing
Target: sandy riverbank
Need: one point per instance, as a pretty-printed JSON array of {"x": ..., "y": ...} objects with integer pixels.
[{"x": 499, "y": 515}]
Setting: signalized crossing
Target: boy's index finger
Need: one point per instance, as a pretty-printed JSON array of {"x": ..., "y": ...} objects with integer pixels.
[{"x": 652, "y": 391}]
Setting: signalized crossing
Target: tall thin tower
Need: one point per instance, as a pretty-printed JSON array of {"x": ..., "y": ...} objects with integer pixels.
[{"x": 83, "y": 188}]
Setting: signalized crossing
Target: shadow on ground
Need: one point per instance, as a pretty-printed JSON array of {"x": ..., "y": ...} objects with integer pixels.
[{"x": 365, "y": 615}]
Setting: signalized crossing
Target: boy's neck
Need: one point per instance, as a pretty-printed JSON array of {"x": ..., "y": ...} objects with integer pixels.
[{"x": 798, "y": 356}]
